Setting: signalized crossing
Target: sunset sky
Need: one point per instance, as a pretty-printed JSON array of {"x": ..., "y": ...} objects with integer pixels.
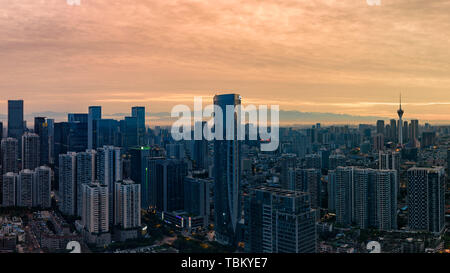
[{"x": 328, "y": 56}]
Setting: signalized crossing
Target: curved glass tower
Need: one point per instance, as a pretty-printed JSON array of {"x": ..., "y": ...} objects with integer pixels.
[{"x": 227, "y": 174}]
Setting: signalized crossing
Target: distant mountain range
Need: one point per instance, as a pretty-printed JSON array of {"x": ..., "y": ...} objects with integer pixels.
[{"x": 286, "y": 117}]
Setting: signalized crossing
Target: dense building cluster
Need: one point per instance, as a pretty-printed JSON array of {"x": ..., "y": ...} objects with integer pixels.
[{"x": 325, "y": 189}]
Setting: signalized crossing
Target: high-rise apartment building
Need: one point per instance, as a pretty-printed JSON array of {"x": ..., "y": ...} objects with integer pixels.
[
  {"x": 95, "y": 216},
  {"x": 30, "y": 151},
  {"x": 9, "y": 155},
  {"x": 127, "y": 205},
  {"x": 426, "y": 199},
  {"x": 68, "y": 183}
]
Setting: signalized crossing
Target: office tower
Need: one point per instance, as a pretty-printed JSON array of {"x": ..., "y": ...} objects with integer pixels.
[
  {"x": 106, "y": 133},
  {"x": 139, "y": 113},
  {"x": 175, "y": 151},
  {"x": 380, "y": 127},
  {"x": 77, "y": 137},
  {"x": 426, "y": 199},
  {"x": 25, "y": 188},
  {"x": 9, "y": 189},
  {"x": 405, "y": 132},
  {"x": 337, "y": 160},
  {"x": 378, "y": 142},
  {"x": 51, "y": 140},
  {"x": 130, "y": 132},
  {"x": 139, "y": 172},
  {"x": 1, "y": 130},
  {"x": 41, "y": 129},
  {"x": 95, "y": 113},
  {"x": 394, "y": 131},
  {"x": 166, "y": 184},
  {"x": 197, "y": 197},
  {"x": 414, "y": 129},
  {"x": 60, "y": 146},
  {"x": 313, "y": 161},
  {"x": 95, "y": 216},
  {"x": 85, "y": 174},
  {"x": 127, "y": 204},
  {"x": 400, "y": 113},
  {"x": 288, "y": 162},
  {"x": 279, "y": 221},
  {"x": 42, "y": 187},
  {"x": 9, "y": 155},
  {"x": 200, "y": 149},
  {"x": 227, "y": 174},
  {"x": 109, "y": 171},
  {"x": 67, "y": 183},
  {"x": 30, "y": 151},
  {"x": 15, "y": 120}
]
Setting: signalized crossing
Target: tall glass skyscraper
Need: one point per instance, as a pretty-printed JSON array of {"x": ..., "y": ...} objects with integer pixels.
[
  {"x": 95, "y": 113},
  {"x": 227, "y": 174},
  {"x": 139, "y": 113},
  {"x": 15, "y": 120}
]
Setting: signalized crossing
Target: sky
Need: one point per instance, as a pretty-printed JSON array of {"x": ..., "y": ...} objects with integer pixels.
[{"x": 340, "y": 57}]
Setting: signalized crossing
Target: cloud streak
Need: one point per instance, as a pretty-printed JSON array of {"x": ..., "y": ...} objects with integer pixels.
[{"x": 341, "y": 57}]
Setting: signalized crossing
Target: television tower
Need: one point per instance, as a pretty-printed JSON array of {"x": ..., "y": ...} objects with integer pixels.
[{"x": 400, "y": 113}]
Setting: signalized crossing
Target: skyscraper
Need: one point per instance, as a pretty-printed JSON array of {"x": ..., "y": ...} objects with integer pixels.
[
  {"x": 42, "y": 187},
  {"x": 67, "y": 183},
  {"x": 95, "y": 113},
  {"x": 279, "y": 221},
  {"x": 109, "y": 171},
  {"x": 30, "y": 151},
  {"x": 139, "y": 172},
  {"x": 41, "y": 129},
  {"x": 394, "y": 131},
  {"x": 139, "y": 113},
  {"x": 9, "y": 189},
  {"x": 197, "y": 197},
  {"x": 364, "y": 197},
  {"x": 308, "y": 180},
  {"x": 51, "y": 140},
  {"x": 426, "y": 199},
  {"x": 227, "y": 174},
  {"x": 77, "y": 135},
  {"x": 414, "y": 129},
  {"x": 200, "y": 150},
  {"x": 380, "y": 127},
  {"x": 9, "y": 155},
  {"x": 288, "y": 162},
  {"x": 127, "y": 207},
  {"x": 25, "y": 188},
  {"x": 95, "y": 216},
  {"x": 166, "y": 178},
  {"x": 15, "y": 120},
  {"x": 85, "y": 174},
  {"x": 130, "y": 132}
]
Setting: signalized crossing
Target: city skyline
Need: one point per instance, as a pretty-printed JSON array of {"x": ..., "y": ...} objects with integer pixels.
[
  {"x": 287, "y": 118},
  {"x": 323, "y": 56}
]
